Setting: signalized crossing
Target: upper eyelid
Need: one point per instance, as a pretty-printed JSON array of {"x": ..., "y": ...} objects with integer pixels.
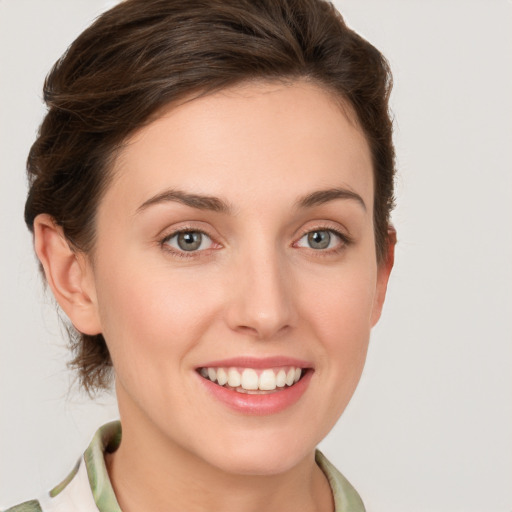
[
  {"x": 345, "y": 239},
  {"x": 169, "y": 232},
  {"x": 173, "y": 233},
  {"x": 342, "y": 232}
]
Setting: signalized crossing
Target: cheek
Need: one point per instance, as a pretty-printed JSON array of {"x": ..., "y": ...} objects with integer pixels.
[
  {"x": 344, "y": 328},
  {"x": 342, "y": 304},
  {"x": 150, "y": 313},
  {"x": 342, "y": 319}
]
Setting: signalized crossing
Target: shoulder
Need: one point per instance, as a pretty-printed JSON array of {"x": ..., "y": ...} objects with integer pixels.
[
  {"x": 87, "y": 488},
  {"x": 27, "y": 506}
]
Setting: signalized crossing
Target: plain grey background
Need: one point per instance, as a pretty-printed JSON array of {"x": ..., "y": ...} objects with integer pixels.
[{"x": 430, "y": 427}]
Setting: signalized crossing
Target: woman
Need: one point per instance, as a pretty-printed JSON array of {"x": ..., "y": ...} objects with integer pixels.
[{"x": 210, "y": 198}]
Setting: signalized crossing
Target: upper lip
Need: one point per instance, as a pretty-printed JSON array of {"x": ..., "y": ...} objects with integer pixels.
[{"x": 257, "y": 362}]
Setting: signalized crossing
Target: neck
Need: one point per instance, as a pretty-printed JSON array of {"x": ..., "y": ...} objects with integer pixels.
[{"x": 148, "y": 472}]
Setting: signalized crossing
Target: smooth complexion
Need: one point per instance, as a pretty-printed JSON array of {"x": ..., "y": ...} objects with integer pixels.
[{"x": 270, "y": 185}]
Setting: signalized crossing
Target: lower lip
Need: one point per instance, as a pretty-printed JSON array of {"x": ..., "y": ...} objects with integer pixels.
[{"x": 259, "y": 405}]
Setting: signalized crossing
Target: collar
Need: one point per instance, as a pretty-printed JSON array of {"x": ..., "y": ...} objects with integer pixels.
[{"x": 108, "y": 438}]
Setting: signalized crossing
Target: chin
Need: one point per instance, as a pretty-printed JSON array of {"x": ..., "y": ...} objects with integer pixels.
[{"x": 262, "y": 457}]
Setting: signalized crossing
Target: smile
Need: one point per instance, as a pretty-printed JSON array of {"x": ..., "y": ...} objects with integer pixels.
[
  {"x": 252, "y": 380},
  {"x": 256, "y": 386}
]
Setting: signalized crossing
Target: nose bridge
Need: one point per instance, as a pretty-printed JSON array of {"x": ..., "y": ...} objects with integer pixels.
[{"x": 262, "y": 304}]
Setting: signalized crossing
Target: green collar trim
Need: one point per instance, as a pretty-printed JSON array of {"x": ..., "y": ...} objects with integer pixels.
[
  {"x": 60, "y": 487},
  {"x": 106, "y": 439},
  {"x": 346, "y": 498},
  {"x": 27, "y": 506}
]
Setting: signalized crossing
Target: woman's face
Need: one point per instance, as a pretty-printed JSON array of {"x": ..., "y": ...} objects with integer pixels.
[{"x": 236, "y": 242}]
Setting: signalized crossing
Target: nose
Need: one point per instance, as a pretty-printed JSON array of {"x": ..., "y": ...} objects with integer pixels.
[{"x": 261, "y": 297}]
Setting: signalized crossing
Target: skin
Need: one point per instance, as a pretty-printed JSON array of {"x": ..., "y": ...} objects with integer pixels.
[{"x": 257, "y": 289}]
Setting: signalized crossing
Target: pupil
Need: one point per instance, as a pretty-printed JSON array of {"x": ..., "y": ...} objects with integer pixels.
[
  {"x": 189, "y": 241},
  {"x": 319, "y": 239}
]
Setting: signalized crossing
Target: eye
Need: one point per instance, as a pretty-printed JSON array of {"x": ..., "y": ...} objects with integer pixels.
[
  {"x": 189, "y": 241},
  {"x": 321, "y": 239}
]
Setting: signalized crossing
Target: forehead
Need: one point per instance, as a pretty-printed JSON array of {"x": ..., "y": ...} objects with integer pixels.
[{"x": 252, "y": 139}]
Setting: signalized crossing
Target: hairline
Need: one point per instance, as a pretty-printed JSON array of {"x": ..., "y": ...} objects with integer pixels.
[{"x": 112, "y": 167}]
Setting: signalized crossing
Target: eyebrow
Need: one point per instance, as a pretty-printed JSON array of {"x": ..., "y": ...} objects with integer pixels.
[
  {"x": 324, "y": 196},
  {"x": 198, "y": 201},
  {"x": 216, "y": 204}
]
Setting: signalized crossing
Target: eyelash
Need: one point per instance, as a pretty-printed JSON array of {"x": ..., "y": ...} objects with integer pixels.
[
  {"x": 183, "y": 254},
  {"x": 345, "y": 241},
  {"x": 344, "y": 238}
]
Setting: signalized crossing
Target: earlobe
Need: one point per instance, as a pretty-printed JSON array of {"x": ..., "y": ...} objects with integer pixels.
[
  {"x": 383, "y": 273},
  {"x": 68, "y": 274}
]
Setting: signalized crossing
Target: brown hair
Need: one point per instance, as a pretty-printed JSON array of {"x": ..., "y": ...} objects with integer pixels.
[{"x": 144, "y": 54}]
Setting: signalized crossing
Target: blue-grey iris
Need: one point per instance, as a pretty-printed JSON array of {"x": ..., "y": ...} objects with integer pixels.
[
  {"x": 319, "y": 239},
  {"x": 189, "y": 240}
]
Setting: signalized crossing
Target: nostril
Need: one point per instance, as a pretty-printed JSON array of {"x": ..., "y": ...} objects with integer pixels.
[{"x": 263, "y": 331}]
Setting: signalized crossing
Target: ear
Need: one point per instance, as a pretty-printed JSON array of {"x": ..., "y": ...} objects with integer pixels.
[
  {"x": 383, "y": 272},
  {"x": 69, "y": 275}
]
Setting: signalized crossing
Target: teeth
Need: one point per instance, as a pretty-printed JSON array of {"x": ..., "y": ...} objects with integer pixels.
[
  {"x": 281, "y": 379},
  {"x": 249, "y": 379},
  {"x": 267, "y": 380},
  {"x": 222, "y": 376},
  {"x": 252, "y": 381},
  {"x": 234, "y": 379}
]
